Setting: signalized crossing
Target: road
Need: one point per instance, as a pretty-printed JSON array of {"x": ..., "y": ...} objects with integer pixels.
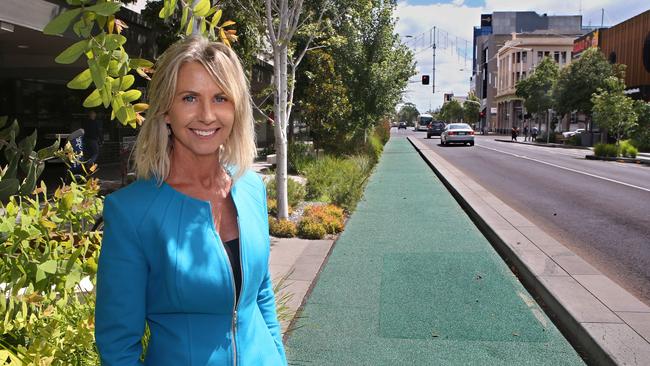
[{"x": 600, "y": 210}]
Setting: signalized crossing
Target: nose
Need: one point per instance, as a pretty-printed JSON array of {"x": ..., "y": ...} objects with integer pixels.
[{"x": 208, "y": 112}]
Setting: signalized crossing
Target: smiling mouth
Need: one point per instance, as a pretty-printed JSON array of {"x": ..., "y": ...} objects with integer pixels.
[{"x": 204, "y": 133}]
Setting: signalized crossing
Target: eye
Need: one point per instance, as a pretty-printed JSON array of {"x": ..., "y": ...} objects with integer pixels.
[
  {"x": 220, "y": 99},
  {"x": 189, "y": 98}
]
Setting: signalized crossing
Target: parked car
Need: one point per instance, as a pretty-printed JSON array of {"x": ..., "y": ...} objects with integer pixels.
[
  {"x": 401, "y": 125},
  {"x": 457, "y": 133},
  {"x": 572, "y": 133},
  {"x": 435, "y": 128}
]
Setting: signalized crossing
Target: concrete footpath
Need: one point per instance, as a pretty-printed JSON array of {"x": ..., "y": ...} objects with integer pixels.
[{"x": 413, "y": 281}]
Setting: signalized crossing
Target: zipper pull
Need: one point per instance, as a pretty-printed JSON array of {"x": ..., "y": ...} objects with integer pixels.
[{"x": 234, "y": 318}]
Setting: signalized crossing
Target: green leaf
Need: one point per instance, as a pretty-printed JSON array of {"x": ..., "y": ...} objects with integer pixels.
[
  {"x": 97, "y": 72},
  {"x": 40, "y": 275},
  {"x": 8, "y": 187},
  {"x": 202, "y": 8},
  {"x": 131, "y": 95},
  {"x": 30, "y": 181},
  {"x": 72, "y": 53},
  {"x": 81, "y": 81},
  {"x": 190, "y": 25},
  {"x": 48, "y": 266},
  {"x": 217, "y": 17},
  {"x": 12, "y": 169},
  {"x": 106, "y": 94},
  {"x": 202, "y": 26},
  {"x": 28, "y": 143},
  {"x": 59, "y": 24},
  {"x": 6, "y": 133},
  {"x": 114, "y": 41},
  {"x": 186, "y": 11},
  {"x": 105, "y": 9},
  {"x": 3, "y": 121},
  {"x": 48, "y": 152},
  {"x": 122, "y": 115},
  {"x": 123, "y": 83},
  {"x": 134, "y": 63},
  {"x": 212, "y": 10},
  {"x": 114, "y": 68},
  {"x": 93, "y": 100}
]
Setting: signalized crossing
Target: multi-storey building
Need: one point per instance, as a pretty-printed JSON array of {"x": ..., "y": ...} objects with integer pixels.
[
  {"x": 495, "y": 30},
  {"x": 516, "y": 60}
]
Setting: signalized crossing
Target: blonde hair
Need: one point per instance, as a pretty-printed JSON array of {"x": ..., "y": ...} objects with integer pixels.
[{"x": 153, "y": 144}]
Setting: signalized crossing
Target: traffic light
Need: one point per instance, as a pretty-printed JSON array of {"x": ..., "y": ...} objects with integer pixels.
[
  {"x": 425, "y": 79},
  {"x": 482, "y": 114}
]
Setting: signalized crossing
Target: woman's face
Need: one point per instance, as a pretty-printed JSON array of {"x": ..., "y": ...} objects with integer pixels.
[{"x": 201, "y": 116}]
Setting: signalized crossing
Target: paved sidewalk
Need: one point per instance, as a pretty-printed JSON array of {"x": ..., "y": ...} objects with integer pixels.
[
  {"x": 610, "y": 324},
  {"x": 412, "y": 281}
]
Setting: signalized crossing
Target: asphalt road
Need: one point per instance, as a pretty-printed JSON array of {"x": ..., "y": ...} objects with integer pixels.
[{"x": 600, "y": 210}]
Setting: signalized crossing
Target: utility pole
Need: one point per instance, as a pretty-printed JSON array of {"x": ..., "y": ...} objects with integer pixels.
[{"x": 433, "y": 75}]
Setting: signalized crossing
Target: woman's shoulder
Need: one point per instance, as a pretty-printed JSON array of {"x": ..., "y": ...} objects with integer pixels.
[
  {"x": 136, "y": 195},
  {"x": 251, "y": 182}
]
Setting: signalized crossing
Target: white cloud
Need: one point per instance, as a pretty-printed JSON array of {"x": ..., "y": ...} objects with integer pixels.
[{"x": 458, "y": 19}]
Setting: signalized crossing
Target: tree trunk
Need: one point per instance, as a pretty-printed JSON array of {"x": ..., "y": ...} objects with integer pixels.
[{"x": 280, "y": 74}]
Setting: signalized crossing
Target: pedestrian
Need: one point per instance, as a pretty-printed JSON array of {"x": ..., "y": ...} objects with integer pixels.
[
  {"x": 533, "y": 132},
  {"x": 513, "y": 134},
  {"x": 525, "y": 133},
  {"x": 92, "y": 138},
  {"x": 186, "y": 246}
]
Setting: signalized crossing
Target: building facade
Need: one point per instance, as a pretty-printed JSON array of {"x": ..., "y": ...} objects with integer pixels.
[
  {"x": 496, "y": 29},
  {"x": 516, "y": 60}
]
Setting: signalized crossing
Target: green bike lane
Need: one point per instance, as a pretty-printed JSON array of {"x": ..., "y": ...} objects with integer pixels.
[{"x": 412, "y": 281}]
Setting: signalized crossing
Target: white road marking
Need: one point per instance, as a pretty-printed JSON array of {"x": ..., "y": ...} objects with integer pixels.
[{"x": 565, "y": 168}]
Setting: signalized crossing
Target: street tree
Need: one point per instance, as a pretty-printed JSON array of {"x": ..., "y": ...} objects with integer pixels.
[
  {"x": 374, "y": 63},
  {"x": 641, "y": 132},
  {"x": 281, "y": 21},
  {"x": 537, "y": 89},
  {"x": 471, "y": 109},
  {"x": 408, "y": 112},
  {"x": 580, "y": 80},
  {"x": 612, "y": 109},
  {"x": 452, "y": 111},
  {"x": 324, "y": 103}
]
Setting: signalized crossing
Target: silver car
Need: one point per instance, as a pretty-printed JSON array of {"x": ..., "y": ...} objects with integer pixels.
[{"x": 457, "y": 133}]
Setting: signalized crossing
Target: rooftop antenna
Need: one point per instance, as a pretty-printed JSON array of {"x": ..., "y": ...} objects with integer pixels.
[{"x": 602, "y": 16}]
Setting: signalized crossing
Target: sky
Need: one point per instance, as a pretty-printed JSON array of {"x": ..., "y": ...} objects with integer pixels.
[{"x": 455, "y": 20}]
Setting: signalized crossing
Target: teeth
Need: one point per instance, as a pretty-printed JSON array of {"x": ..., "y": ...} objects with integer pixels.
[{"x": 204, "y": 132}]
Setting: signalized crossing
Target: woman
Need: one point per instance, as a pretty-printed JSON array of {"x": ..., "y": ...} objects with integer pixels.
[{"x": 186, "y": 246}]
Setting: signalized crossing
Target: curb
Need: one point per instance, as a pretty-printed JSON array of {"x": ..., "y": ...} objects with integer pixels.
[
  {"x": 561, "y": 146},
  {"x": 592, "y": 311},
  {"x": 619, "y": 159}
]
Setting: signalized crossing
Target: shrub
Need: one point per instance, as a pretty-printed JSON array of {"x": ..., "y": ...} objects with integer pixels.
[
  {"x": 298, "y": 157},
  {"x": 628, "y": 150},
  {"x": 329, "y": 215},
  {"x": 606, "y": 150},
  {"x": 383, "y": 131},
  {"x": 542, "y": 137},
  {"x": 575, "y": 140},
  {"x": 282, "y": 228},
  {"x": 374, "y": 147},
  {"x": 296, "y": 191},
  {"x": 310, "y": 228},
  {"x": 338, "y": 181}
]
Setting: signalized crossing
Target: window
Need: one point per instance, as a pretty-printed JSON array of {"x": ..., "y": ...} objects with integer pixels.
[
  {"x": 564, "y": 57},
  {"x": 523, "y": 75},
  {"x": 518, "y": 57},
  {"x": 547, "y": 53},
  {"x": 514, "y": 60},
  {"x": 524, "y": 57},
  {"x": 540, "y": 55},
  {"x": 556, "y": 56}
]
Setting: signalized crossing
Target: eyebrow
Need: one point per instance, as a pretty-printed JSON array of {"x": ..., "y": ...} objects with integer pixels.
[{"x": 195, "y": 92}]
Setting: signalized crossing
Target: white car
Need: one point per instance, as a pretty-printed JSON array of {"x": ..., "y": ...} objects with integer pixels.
[
  {"x": 457, "y": 133},
  {"x": 572, "y": 133}
]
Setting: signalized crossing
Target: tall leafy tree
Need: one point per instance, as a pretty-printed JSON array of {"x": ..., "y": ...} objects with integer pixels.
[
  {"x": 452, "y": 111},
  {"x": 374, "y": 64},
  {"x": 612, "y": 109},
  {"x": 408, "y": 112},
  {"x": 537, "y": 89},
  {"x": 471, "y": 109},
  {"x": 324, "y": 103},
  {"x": 641, "y": 132},
  {"x": 580, "y": 80}
]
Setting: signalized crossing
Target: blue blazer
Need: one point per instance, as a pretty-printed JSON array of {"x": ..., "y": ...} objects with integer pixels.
[{"x": 162, "y": 262}]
